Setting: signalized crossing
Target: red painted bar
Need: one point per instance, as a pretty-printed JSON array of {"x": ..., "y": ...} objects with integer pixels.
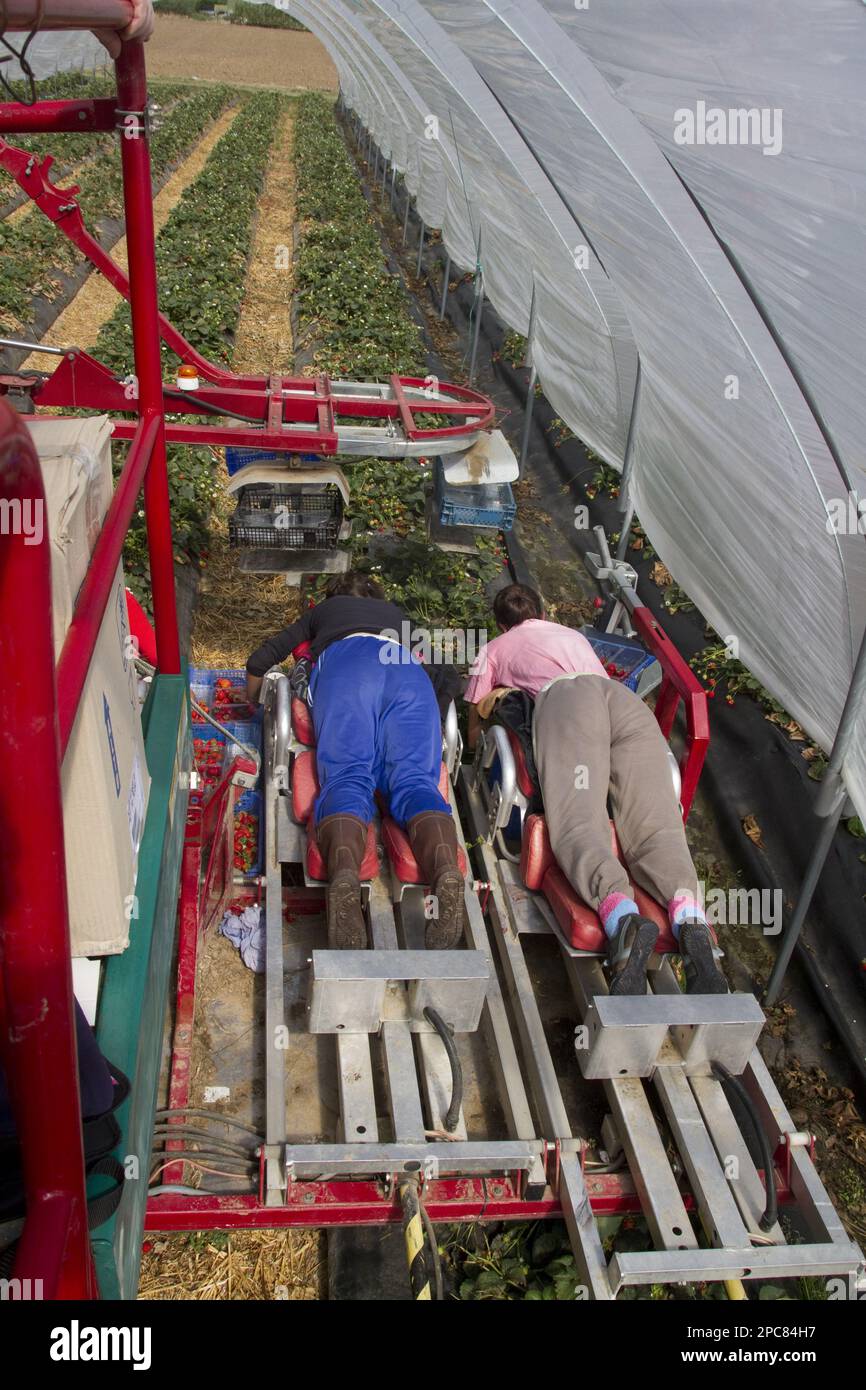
[
  {"x": 37, "y": 1035},
  {"x": 75, "y": 657},
  {"x": 89, "y": 114},
  {"x": 680, "y": 682},
  {"x": 138, "y": 206}
]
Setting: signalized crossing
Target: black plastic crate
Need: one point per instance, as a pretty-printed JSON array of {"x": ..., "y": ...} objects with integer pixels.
[{"x": 281, "y": 517}]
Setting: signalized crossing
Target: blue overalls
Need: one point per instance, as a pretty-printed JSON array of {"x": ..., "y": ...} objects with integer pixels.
[{"x": 377, "y": 729}]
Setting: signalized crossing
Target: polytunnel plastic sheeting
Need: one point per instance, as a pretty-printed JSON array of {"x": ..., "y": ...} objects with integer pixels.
[
  {"x": 527, "y": 235},
  {"x": 726, "y": 451},
  {"x": 495, "y": 190},
  {"x": 378, "y": 89},
  {"x": 377, "y": 79},
  {"x": 57, "y": 52},
  {"x": 793, "y": 218},
  {"x": 343, "y": 32}
]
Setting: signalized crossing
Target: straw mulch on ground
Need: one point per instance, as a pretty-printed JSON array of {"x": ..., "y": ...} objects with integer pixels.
[{"x": 238, "y": 1265}]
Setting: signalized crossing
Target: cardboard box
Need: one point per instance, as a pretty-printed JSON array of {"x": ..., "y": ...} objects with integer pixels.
[{"x": 104, "y": 777}]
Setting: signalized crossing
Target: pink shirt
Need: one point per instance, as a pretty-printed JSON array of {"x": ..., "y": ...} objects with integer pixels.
[{"x": 530, "y": 655}]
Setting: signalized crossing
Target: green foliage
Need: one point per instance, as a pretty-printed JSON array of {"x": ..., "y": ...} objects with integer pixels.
[
  {"x": 605, "y": 479},
  {"x": 513, "y": 350},
  {"x": 189, "y": 8},
  {"x": 356, "y": 317},
  {"x": 265, "y": 16},
  {"x": 716, "y": 667},
  {"x": 525, "y": 1263},
  {"x": 386, "y": 495},
  {"x": 34, "y": 250},
  {"x": 561, "y": 433},
  {"x": 203, "y": 248},
  {"x": 676, "y": 600},
  {"x": 348, "y": 303}
]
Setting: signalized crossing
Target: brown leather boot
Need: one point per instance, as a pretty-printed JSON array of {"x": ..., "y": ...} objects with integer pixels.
[
  {"x": 342, "y": 841},
  {"x": 433, "y": 837}
]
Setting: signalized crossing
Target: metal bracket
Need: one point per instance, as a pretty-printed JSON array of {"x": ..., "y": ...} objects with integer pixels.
[
  {"x": 358, "y": 991},
  {"x": 626, "y": 1034},
  {"x": 131, "y": 125}
]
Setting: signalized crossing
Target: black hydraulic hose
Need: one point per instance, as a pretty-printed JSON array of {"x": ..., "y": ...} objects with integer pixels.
[
  {"x": 445, "y": 1033},
  {"x": 210, "y": 407},
  {"x": 771, "y": 1210}
]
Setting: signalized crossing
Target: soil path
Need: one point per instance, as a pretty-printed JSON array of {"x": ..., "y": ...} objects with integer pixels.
[{"x": 237, "y": 611}]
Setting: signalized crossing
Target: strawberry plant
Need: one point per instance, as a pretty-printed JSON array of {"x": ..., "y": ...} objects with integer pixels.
[
  {"x": 717, "y": 668},
  {"x": 606, "y": 480}
]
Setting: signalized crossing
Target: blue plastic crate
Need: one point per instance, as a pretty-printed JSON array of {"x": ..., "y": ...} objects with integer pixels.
[
  {"x": 202, "y": 685},
  {"x": 624, "y": 652},
  {"x": 251, "y": 801},
  {"x": 236, "y": 458},
  {"x": 474, "y": 504}
]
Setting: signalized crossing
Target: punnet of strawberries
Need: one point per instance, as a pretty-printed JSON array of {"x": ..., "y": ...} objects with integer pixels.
[
  {"x": 229, "y": 700},
  {"x": 208, "y": 754},
  {"x": 246, "y": 841}
]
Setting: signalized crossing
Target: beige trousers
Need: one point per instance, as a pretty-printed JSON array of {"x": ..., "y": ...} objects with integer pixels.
[{"x": 593, "y": 738}]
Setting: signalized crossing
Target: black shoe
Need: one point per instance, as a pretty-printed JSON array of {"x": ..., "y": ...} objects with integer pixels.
[
  {"x": 697, "y": 948},
  {"x": 445, "y": 930},
  {"x": 347, "y": 928},
  {"x": 629, "y": 954}
]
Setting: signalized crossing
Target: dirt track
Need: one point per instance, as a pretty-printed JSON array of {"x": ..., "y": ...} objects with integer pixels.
[{"x": 214, "y": 51}]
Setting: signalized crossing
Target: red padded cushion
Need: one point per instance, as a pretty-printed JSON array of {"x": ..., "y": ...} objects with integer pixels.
[
  {"x": 524, "y": 781},
  {"x": 399, "y": 852},
  {"x": 536, "y": 856},
  {"x": 536, "y": 852},
  {"x": 316, "y": 865},
  {"x": 302, "y": 722},
  {"x": 580, "y": 925},
  {"x": 305, "y": 785}
]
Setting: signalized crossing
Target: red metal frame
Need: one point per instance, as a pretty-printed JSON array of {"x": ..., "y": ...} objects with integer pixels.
[
  {"x": 37, "y": 709},
  {"x": 82, "y": 381},
  {"x": 369, "y": 1203},
  {"x": 679, "y": 682}
]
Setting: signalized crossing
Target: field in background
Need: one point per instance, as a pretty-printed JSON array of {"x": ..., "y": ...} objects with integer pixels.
[{"x": 214, "y": 51}]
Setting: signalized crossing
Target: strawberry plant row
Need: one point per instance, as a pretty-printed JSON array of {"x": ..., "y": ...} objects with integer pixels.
[
  {"x": 34, "y": 251},
  {"x": 348, "y": 302},
  {"x": 73, "y": 148},
  {"x": 202, "y": 254}
]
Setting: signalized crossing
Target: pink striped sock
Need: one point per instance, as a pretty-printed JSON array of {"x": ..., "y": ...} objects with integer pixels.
[
  {"x": 682, "y": 906},
  {"x": 613, "y": 908}
]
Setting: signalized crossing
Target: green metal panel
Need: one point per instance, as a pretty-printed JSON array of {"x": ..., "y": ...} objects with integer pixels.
[{"x": 134, "y": 992}]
